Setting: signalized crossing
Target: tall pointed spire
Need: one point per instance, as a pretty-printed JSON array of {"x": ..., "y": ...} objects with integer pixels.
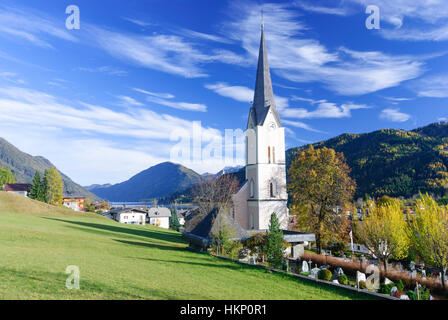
[{"x": 264, "y": 95}]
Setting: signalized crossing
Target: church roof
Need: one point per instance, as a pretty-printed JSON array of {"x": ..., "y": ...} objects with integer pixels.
[{"x": 264, "y": 95}]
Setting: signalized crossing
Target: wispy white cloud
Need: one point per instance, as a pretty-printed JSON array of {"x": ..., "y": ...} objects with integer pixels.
[
  {"x": 126, "y": 101},
  {"x": 104, "y": 69},
  {"x": 165, "y": 99},
  {"x": 97, "y": 130},
  {"x": 432, "y": 87},
  {"x": 204, "y": 36},
  {"x": 431, "y": 15},
  {"x": 324, "y": 110},
  {"x": 298, "y": 59},
  {"x": 394, "y": 115},
  {"x": 243, "y": 94},
  {"x": 338, "y": 11},
  {"x": 301, "y": 125},
  {"x": 158, "y": 95},
  {"x": 31, "y": 26}
]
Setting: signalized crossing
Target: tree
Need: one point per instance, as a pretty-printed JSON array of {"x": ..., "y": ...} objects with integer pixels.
[
  {"x": 274, "y": 243},
  {"x": 217, "y": 193},
  {"x": 89, "y": 206},
  {"x": 36, "y": 187},
  {"x": 174, "y": 220},
  {"x": 428, "y": 231},
  {"x": 319, "y": 184},
  {"x": 221, "y": 233},
  {"x": 44, "y": 189},
  {"x": 383, "y": 231},
  {"x": 6, "y": 176},
  {"x": 54, "y": 186}
]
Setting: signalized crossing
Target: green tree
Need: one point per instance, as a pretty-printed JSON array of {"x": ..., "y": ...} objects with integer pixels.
[
  {"x": 36, "y": 187},
  {"x": 174, "y": 220},
  {"x": 428, "y": 231},
  {"x": 89, "y": 206},
  {"x": 6, "y": 176},
  {"x": 319, "y": 184},
  {"x": 54, "y": 186},
  {"x": 274, "y": 243},
  {"x": 383, "y": 231},
  {"x": 221, "y": 232}
]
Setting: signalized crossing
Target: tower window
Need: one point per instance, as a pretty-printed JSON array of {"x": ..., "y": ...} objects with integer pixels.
[
  {"x": 252, "y": 192},
  {"x": 273, "y": 189},
  {"x": 269, "y": 154}
]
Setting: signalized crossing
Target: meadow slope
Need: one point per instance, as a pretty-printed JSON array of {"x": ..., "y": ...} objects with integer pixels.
[{"x": 38, "y": 242}]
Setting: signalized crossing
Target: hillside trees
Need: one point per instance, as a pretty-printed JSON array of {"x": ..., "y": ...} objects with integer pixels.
[
  {"x": 49, "y": 189},
  {"x": 383, "y": 230},
  {"x": 6, "y": 176},
  {"x": 428, "y": 231},
  {"x": 319, "y": 182}
]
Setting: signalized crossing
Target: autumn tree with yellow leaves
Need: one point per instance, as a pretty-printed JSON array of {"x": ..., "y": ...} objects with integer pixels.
[
  {"x": 383, "y": 231},
  {"x": 319, "y": 183},
  {"x": 428, "y": 232}
]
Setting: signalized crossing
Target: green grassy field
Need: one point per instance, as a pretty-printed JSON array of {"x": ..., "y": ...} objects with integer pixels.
[{"x": 38, "y": 242}]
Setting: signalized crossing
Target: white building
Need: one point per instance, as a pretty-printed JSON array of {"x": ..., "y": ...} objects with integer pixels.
[
  {"x": 264, "y": 191},
  {"x": 160, "y": 217},
  {"x": 18, "y": 188},
  {"x": 129, "y": 216}
]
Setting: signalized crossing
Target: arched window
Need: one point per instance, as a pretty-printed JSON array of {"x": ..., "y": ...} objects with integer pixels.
[
  {"x": 273, "y": 154},
  {"x": 269, "y": 154},
  {"x": 251, "y": 186}
]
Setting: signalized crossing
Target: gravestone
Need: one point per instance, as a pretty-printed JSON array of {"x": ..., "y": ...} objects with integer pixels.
[
  {"x": 404, "y": 297},
  {"x": 387, "y": 281},
  {"x": 393, "y": 290},
  {"x": 314, "y": 273},
  {"x": 339, "y": 271},
  {"x": 252, "y": 260},
  {"x": 305, "y": 267},
  {"x": 360, "y": 277},
  {"x": 335, "y": 281},
  {"x": 412, "y": 266}
]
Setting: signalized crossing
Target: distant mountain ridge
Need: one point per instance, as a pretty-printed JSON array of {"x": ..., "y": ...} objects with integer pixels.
[
  {"x": 155, "y": 182},
  {"x": 25, "y": 166}
]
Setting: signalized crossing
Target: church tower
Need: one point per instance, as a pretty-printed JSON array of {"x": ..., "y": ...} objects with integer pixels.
[{"x": 265, "y": 189}]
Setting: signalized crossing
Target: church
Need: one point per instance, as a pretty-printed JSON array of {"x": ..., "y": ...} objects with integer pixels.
[{"x": 264, "y": 191}]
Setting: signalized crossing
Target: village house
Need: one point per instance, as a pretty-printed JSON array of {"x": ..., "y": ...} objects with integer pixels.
[
  {"x": 159, "y": 217},
  {"x": 74, "y": 203},
  {"x": 22, "y": 189},
  {"x": 128, "y": 215}
]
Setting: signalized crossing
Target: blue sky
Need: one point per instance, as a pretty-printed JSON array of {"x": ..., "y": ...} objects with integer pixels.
[{"x": 102, "y": 102}]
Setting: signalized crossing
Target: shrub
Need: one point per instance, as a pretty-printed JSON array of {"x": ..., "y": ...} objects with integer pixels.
[
  {"x": 362, "y": 285},
  {"x": 336, "y": 248},
  {"x": 343, "y": 279},
  {"x": 386, "y": 288},
  {"x": 325, "y": 274}
]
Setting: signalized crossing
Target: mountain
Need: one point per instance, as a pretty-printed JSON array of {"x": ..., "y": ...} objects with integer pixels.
[
  {"x": 96, "y": 186},
  {"x": 25, "y": 166},
  {"x": 393, "y": 162},
  {"x": 155, "y": 182}
]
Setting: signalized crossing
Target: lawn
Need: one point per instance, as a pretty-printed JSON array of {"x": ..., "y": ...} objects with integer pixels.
[{"x": 116, "y": 261}]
